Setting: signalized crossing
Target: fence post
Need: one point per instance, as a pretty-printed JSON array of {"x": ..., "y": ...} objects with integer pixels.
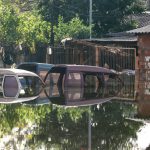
[{"x": 96, "y": 56}]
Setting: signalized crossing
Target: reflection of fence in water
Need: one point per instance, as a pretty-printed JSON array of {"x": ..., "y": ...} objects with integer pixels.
[
  {"x": 128, "y": 90},
  {"x": 110, "y": 88}
]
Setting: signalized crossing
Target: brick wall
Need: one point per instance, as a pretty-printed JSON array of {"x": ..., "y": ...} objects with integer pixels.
[{"x": 143, "y": 68}]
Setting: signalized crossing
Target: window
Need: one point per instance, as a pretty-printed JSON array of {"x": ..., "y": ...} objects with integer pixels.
[
  {"x": 74, "y": 79},
  {"x": 55, "y": 83},
  {"x": 42, "y": 74},
  {"x": 10, "y": 86},
  {"x": 30, "y": 86},
  {"x": 91, "y": 80}
]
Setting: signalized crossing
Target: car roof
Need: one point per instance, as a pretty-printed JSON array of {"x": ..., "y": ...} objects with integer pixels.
[
  {"x": 18, "y": 72},
  {"x": 84, "y": 68},
  {"x": 35, "y": 63}
]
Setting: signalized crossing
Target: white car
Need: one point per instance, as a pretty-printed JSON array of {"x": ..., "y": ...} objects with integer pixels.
[{"x": 18, "y": 85}]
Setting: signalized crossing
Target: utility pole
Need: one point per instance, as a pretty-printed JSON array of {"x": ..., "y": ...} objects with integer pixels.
[
  {"x": 52, "y": 24},
  {"x": 90, "y": 18},
  {"x": 89, "y": 129}
]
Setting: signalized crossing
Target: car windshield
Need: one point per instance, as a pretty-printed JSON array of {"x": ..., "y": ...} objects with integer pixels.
[{"x": 30, "y": 86}]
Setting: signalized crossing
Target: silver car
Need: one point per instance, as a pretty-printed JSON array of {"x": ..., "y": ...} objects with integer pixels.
[{"x": 19, "y": 85}]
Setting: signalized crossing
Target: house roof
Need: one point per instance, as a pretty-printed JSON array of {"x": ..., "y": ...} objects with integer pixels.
[
  {"x": 142, "y": 30},
  {"x": 116, "y": 39},
  {"x": 142, "y": 19}
]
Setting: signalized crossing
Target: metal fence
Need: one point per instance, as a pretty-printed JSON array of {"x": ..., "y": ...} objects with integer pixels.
[
  {"x": 118, "y": 58},
  {"x": 114, "y": 58}
]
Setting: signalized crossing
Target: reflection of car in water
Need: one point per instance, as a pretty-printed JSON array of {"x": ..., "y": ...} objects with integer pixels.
[
  {"x": 80, "y": 84},
  {"x": 17, "y": 83},
  {"x": 41, "y": 70},
  {"x": 80, "y": 97}
]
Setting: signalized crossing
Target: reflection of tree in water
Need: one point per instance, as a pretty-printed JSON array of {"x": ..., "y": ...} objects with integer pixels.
[
  {"x": 128, "y": 89},
  {"x": 18, "y": 115},
  {"x": 68, "y": 128},
  {"x": 110, "y": 129},
  {"x": 63, "y": 129}
]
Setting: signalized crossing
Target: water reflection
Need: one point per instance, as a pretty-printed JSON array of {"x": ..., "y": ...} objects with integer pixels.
[
  {"x": 143, "y": 99},
  {"x": 81, "y": 96},
  {"x": 55, "y": 127},
  {"x": 110, "y": 123},
  {"x": 87, "y": 95}
]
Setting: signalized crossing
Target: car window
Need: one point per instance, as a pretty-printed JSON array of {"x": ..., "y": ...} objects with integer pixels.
[
  {"x": 30, "y": 86},
  {"x": 10, "y": 86},
  {"x": 74, "y": 79}
]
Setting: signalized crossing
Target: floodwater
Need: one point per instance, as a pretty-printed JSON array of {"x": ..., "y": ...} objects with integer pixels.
[{"x": 115, "y": 117}]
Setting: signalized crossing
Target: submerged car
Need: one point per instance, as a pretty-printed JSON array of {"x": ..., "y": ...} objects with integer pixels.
[
  {"x": 78, "y": 75},
  {"x": 80, "y": 84},
  {"x": 40, "y": 69},
  {"x": 18, "y": 84}
]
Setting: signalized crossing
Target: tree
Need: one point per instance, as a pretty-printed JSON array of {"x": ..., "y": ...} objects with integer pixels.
[
  {"x": 112, "y": 16},
  {"x": 33, "y": 30},
  {"x": 108, "y": 15},
  {"x": 25, "y": 28},
  {"x": 8, "y": 25},
  {"x": 72, "y": 29},
  {"x": 50, "y": 12}
]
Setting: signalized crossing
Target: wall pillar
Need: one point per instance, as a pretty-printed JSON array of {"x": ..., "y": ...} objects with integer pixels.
[{"x": 142, "y": 76}]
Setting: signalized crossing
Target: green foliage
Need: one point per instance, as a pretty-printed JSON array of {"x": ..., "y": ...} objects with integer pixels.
[
  {"x": 8, "y": 25},
  {"x": 26, "y": 28},
  {"x": 63, "y": 128},
  {"x": 74, "y": 29},
  {"x": 20, "y": 116},
  {"x": 21, "y": 23},
  {"x": 74, "y": 114},
  {"x": 108, "y": 15},
  {"x": 113, "y": 16},
  {"x": 33, "y": 30}
]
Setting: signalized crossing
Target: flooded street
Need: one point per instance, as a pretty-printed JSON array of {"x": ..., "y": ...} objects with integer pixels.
[
  {"x": 107, "y": 119},
  {"x": 74, "y": 75}
]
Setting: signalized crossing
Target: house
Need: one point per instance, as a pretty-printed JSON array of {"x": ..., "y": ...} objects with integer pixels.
[
  {"x": 143, "y": 38},
  {"x": 142, "y": 77}
]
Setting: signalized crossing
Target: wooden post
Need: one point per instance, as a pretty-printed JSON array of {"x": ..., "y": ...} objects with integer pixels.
[
  {"x": 136, "y": 82},
  {"x": 97, "y": 56}
]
